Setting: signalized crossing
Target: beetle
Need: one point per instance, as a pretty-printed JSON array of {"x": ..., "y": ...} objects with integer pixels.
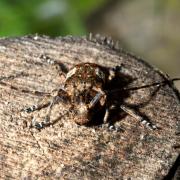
[{"x": 87, "y": 90}]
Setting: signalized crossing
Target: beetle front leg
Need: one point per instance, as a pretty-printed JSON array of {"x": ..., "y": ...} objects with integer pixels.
[
  {"x": 100, "y": 97},
  {"x": 61, "y": 96},
  {"x": 119, "y": 70},
  {"x": 36, "y": 107},
  {"x": 46, "y": 120},
  {"x": 107, "y": 113}
]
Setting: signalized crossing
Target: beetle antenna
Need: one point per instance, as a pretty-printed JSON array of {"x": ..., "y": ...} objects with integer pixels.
[
  {"x": 146, "y": 86},
  {"x": 153, "y": 84}
]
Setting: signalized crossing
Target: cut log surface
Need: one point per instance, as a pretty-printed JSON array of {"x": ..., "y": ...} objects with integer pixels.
[{"x": 66, "y": 150}]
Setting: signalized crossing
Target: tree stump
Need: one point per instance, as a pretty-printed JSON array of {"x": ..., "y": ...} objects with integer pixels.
[{"x": 70, "y": 151}]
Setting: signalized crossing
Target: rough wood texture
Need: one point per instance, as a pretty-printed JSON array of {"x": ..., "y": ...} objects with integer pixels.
[{"x": 69, "y": 151}]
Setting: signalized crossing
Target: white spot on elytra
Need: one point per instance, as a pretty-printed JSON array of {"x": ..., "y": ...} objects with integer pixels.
[{"x": 71, "y": 73}]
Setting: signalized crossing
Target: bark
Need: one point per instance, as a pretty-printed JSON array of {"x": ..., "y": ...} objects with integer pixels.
[{"x": 66, "y": 150}]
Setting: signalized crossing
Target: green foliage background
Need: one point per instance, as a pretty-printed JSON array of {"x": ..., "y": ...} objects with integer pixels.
[
  {"x": 50, "y": 17},
  {"x": 149, "y": 28}
]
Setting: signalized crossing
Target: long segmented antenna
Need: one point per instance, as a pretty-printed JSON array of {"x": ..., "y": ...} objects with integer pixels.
[
  {"x": 37, "y": 93},
  {"x": 144, "y": 86}
]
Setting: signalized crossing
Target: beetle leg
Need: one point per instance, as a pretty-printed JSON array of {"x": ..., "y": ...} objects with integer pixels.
[
  {"x": 61, "y": 68},
  {"x": 138, "y": 117},
  {"x": 61, "y": 96},
  {"x": 119, "y": 70},
  {"x": 122, "y": 70},
  {"x": 106, "y": 115},
  {"x": 35, "y": 107},
  {"x": 95, "y": 100},
  {"x": 54, "y": 101},
  {"x": 100, "y": 96},
  {"x": 46, "y": 120}
]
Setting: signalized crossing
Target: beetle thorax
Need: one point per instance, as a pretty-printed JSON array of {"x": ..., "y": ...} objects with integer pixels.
[{"x": 84, "y": 77}]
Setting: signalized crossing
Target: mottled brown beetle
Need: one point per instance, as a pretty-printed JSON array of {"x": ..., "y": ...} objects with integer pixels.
[{"x": 86, "y": 90}]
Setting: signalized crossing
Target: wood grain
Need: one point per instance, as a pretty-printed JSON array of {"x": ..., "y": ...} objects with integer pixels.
[{"x": 66, "y": 150}]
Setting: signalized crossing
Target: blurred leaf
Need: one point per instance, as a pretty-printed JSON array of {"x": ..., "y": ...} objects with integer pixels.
[
  {"x": 11, "y": 23},
  {"x": 85, "y": 7},
  {"x": 51, "y": 17}
]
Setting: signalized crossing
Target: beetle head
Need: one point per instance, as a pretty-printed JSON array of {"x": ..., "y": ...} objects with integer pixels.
[{"x": 82, "y": 114}]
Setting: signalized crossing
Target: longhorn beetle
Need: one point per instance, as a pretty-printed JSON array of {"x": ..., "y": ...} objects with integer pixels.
[{"x": 86, "y": 89}]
